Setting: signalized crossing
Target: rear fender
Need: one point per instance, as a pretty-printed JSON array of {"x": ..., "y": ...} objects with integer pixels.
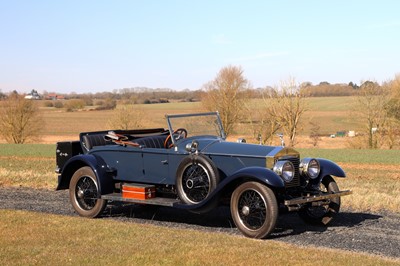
[{"x": 102, "y": 172}]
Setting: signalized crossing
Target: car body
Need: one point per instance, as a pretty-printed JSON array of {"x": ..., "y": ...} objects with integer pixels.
[{"x": 191, "y": 166}]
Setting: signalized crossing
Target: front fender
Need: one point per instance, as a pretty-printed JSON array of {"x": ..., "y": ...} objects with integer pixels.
[
  {"x": 99, "y": 167},
  {"x": 330, "y": 168},
  {"x": 260, "y": 174}
]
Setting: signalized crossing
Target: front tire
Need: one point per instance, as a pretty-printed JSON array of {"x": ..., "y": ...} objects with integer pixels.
[
  {"x": 254, "y": 209},
  {"x": 322, "y": 215},
  {"x": 84, "y": 193}
]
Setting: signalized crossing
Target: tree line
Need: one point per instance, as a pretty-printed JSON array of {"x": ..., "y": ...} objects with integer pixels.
[{"x": 145, "y": 95}]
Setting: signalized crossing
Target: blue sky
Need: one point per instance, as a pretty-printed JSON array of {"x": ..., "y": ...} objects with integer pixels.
[{"x": 91, "y": 46}]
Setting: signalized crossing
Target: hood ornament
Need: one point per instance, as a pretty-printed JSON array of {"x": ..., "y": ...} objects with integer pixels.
[{"x": 280, "y": 135}]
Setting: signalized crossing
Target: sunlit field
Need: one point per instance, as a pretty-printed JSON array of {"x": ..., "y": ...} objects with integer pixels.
[{"x": 333, "y": 114}]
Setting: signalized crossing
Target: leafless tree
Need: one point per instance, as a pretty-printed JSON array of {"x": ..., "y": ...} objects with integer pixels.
[
  {"x": 314, "y": 134},
  {"x": 371, "y": 107},
  {"x": 394, "y": 103},
  {"x": 227, "y": 94},
  {"x": 20, "y": 119},
  {"x": 287, "y": 106},
  {"x": 127, "y": 117},
  {"x": 262, "y": 122}
]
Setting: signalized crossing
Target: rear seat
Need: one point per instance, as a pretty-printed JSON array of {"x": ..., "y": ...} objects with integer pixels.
[{"x": 90, "y": 141}]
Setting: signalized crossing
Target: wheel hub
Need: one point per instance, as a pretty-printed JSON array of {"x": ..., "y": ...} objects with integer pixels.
[
  {"x": 80, "y": 194},
  {"x": 245, "y": 210},
  {"x": 189, "y": 183}
]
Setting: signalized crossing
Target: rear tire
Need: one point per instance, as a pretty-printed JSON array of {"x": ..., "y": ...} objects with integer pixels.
[
  {"x": 254, "y": 209},
  {"x": 84, "y": 193}
]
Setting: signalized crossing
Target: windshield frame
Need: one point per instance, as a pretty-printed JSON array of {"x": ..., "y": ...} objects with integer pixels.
[{"x": 215, "y": 114}]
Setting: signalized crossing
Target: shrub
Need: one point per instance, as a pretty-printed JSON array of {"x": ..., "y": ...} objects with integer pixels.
[
  {"x": 75, "y": 104},
  {"x": 58, "y": 104},
  {"x": 48, "y": 104}
]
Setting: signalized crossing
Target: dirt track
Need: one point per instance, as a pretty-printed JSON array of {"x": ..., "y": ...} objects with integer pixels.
[{"x": 377, "y": 233}]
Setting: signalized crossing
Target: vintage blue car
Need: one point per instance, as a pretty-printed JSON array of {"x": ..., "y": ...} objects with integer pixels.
[{"x": 191, "y": 166}]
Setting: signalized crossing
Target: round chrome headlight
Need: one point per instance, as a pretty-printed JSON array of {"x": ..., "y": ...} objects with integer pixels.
[
  {"x": 285, "y": 169},
  {"x": 309, "y": 167}
]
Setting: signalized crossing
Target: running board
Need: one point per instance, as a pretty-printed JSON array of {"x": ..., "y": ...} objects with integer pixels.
[{"x": 154, "y": 201}]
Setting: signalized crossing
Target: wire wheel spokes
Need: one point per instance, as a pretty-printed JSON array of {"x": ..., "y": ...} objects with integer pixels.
[
  {"x": 252, "y": 209},
  {"x": 196, "y": 183},
  {"x": 86, "y": 193}
]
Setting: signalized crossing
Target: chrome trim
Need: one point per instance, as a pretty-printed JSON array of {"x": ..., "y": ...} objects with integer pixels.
[
  {"x": 280, "y": 153},
  {"x": 279, "y": 170},
  {"x": 305, "y": 167},
  {"x": 324, "y": 196}
]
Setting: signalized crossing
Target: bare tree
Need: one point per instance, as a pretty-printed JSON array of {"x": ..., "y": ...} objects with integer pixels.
[
  {"x": 226, "y": 94},
  {"x": 314, "y": 134},
  {"x": 20, "y": 119},
  {"x": 371, "y": 107},
  {"x": 287, "y": 105},
  {"x": 262, "y": 122},
  {"x": 127, "y": 117},
  {"x": 394, "y": 102}
]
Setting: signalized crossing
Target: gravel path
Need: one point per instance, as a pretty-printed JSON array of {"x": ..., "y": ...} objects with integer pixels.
[{"x": 377, "y": 233}]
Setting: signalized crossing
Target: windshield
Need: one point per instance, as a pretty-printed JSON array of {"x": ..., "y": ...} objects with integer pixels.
[{"x": 197, "y": 124}]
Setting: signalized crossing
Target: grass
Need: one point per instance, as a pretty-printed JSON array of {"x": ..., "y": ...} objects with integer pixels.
[
  {"x": 28, "y": 150},
  {"x": 355, "y": 156},
  {"x": 72, "y": 123},
  {"x": 29, "y": 238},
  {"x": 333, "y": 111},
  {"x": 28, "y": 165}
]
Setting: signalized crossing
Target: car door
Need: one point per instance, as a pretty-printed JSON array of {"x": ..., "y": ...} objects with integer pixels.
[{"x": 155, "y": 165}]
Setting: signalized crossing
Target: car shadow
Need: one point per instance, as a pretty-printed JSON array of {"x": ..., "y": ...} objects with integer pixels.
[
  {"x": 217, "y": 218},
  {"x": 288, "y": 224}
]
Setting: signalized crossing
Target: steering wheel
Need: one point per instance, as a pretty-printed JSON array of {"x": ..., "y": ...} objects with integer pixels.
[{"x": 181, "y": 134}]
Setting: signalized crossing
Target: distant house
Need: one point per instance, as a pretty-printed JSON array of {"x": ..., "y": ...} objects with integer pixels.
[
  {"x": 54, "y": 96},
  {"x": 33, "y": 95}
]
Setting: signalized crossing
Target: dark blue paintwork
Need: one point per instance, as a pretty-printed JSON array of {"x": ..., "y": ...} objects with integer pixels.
[{"x": 236, "y": 163}]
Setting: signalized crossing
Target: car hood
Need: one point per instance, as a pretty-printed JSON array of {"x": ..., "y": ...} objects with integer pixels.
[{"x": 247, "y": 150}]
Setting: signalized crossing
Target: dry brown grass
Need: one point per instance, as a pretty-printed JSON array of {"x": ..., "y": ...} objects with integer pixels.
[
  {"x": 29, "y": 238},
  {"x": 375, "y": 187}
]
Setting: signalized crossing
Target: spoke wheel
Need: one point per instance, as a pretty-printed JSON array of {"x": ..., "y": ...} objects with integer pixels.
[
  {"x": 254, "y": 209},
  {"x": 322, "y": 215},
  {"x": 84, "y": 193},
  {"x": 196, "y": 178}
]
